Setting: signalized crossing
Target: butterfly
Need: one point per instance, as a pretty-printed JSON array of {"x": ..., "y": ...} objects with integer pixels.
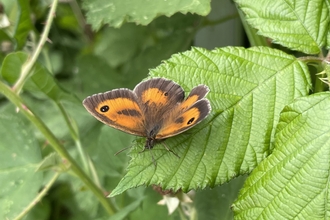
[{"x": 155, "y": 109}]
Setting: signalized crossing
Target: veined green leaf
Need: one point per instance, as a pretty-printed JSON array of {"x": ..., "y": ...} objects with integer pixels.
[
  {"x": 293, "y": 183},
  {"x": 300, "y": 25},
  {"x": 248, "y": 90}
]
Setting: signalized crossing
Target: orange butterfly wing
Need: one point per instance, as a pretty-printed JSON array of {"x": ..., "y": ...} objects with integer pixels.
[
  {"x": 155, "y": 108},
  {"x": 187, "y": 114},
  {"x": 119, "y": 109},
  {"x": 158, "y": 96}
]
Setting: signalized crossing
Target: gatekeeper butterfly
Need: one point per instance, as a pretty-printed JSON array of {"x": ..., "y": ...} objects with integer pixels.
[{"x": 155, "y": 109}]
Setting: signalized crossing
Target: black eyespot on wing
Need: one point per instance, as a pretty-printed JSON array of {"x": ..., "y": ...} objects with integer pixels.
[
  {"x": 191, "y": 121},
  {"x": 104, "y": 108}
]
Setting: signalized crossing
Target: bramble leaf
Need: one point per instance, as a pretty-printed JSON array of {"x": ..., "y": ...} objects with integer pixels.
[
  {"x": 294, "y": 181},
  {"x": 299, "y": 25},
  {"x": 115, "y": 13},
  {"x": 248, "y": 90}
]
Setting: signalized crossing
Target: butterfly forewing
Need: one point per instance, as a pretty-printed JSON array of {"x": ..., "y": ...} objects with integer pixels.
[
  {"x": 158, "y": 96},
  {"x": 159, "y": 92},
  {"x": 118, "y": 108}
]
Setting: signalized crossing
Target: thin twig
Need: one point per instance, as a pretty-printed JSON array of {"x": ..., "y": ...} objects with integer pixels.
[
  {"x": 38, "y": 197},
  {"x": 27, "y": 66}
]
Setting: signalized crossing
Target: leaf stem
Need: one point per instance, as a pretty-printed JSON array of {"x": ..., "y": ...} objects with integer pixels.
[
  {"x": 74, "y": 134},
  {"x": 26, "y": 68},
  {"x": 68, "y": 121},
  {"x": 55, "y": 143},
  {"x": 311, "y": 59},
  {"x": 181, "y": 213},
  {"x": 327, "y": 58}
]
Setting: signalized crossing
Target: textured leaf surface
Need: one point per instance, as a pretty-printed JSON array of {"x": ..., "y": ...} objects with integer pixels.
[
  {"x": 19, "y": 158},
  {"x": 116, "y": 12},
  {"x": 300, "y": 25},
  {"x": 248, "y": 90},
  {"x": 294, "y": 181}
]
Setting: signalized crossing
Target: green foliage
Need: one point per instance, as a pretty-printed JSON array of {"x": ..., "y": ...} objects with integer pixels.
[
  {"x": 299, "y": 25},
  {"x": 19, "y": 12},
  {"x": 116, "y": 12},
  {"x": 298, "y": 169},
  {"x": 269, "y": 119}
]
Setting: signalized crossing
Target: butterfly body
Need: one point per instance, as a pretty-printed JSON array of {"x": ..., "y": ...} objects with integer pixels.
[{"x": 155, "y": 109}]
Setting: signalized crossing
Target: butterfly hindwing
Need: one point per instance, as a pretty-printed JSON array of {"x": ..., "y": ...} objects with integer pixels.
[{"x": 189, "y": 113}]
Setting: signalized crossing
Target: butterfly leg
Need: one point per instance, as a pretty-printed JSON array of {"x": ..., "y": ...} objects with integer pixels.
[
  {"x": 168, "y": 149},
  {"x": 150, "y": 144}
]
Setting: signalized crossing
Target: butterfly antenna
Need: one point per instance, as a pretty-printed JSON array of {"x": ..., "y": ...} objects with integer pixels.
[
  {"x": 168, "y": 149},
  {"x": 122, "y": 150}
]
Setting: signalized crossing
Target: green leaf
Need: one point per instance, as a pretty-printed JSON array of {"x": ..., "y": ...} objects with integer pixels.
[
  {"x": 19, "y": 158},
  {"x": 136, "y": 49},
  {"x": 166, "y": 36},
  {"x": 94, "y": 74},
  {"x": 300, "y": 25},
  {"x": 248, "y": 90},
  {"x": 251, "y": 33},
  {"x": 41, "y": 81},
  {"x": 294, "y": 181},
  {"x": 119, "y": 45},
  {"x": 19, "y": 15},
  {"x": 116, "y": 12},
  {"x": 24, "y": 24}
]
